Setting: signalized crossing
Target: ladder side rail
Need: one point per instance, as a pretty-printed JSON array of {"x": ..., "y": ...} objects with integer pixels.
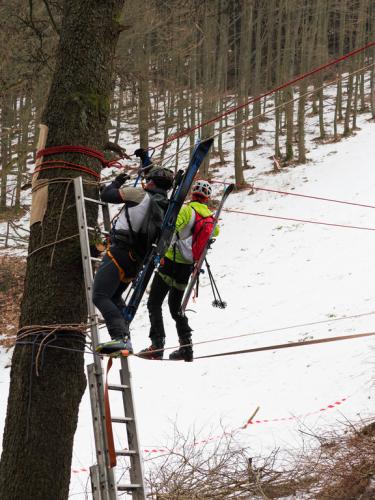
[
  {"x": 95, "y": 373},
  {"x": 95, "y": 483},
  {"x": 86, "y": 263},
  {"x": 136, "y": 469}
]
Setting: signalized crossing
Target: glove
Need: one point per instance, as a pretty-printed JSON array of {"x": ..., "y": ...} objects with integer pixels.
[
  {"x": 144, "y": 156},
  {"x": 120, "y": 179},
  {"x": 140, "y": 153}
]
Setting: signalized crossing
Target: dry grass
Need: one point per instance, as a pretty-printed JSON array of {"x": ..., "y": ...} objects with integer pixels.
[
  {"x": 346, "y": 468},
  {"x": 342, "y": 467},
  {"x": 220, "y": 471},
  {"x": 12, "y": 273}
]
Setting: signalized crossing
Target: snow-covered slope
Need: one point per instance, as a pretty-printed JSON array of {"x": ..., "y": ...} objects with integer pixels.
[{"x": 273, "y": 274}]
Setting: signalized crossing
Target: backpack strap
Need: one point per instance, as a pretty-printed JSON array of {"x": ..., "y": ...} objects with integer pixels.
[
  {"x": 131, "y": 231},
  {"x": 200, "y": 218}
]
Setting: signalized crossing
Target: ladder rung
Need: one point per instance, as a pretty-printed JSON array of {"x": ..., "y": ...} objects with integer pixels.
[
  {"x": 94, "y": 201},
  {"x": 95, "y": 229},
  {"x": 128, "y": 487},
  {"x": 125, "y": 453},
  {"x": 121, "y": 420},
  {"x": 95, "y": 259},
  {"x": 118, "y": 387}
]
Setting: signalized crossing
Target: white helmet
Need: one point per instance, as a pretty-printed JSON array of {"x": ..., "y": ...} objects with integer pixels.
[{"x": 202, "y": 188}]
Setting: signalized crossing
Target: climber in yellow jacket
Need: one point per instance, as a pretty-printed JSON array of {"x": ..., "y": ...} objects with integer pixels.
[{"x": 173, "y": 276}]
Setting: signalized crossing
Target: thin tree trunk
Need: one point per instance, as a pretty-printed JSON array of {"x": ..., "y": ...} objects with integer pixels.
[
  {"x": 355, "y": 102},
  {"x": 243, "y": 75},
  {"x": 23, "y": 149},
  {"x": 342, "y": 33},
  {"x": 142, "y": 58},
  {"x": 301, "y": 122},
  {"x": 221, "y": 70},
  {"x": 277, "y": 125},
  {"x": 257, "y": 69},
  {"x": 348, "y": 109},
  {"x": 209, "y": 26},
  {"x": 5, "y": 157},
  {"x": 120, "y": 105}
]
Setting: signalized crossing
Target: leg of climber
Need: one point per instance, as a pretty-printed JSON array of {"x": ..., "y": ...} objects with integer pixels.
[
  {"x": 107, "y": 289},
  {"x": 158, "y": 292},
  {"x": 185, "y": 352}
]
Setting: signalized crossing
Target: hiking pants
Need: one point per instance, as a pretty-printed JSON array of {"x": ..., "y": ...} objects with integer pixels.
[
  {"x": 158, "y": 292},
  {"x": 108, "y": 289}
]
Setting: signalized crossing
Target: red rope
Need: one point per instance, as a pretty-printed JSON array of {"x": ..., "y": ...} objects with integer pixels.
[
  {"x": 67, "y": 165},
  {"x": 72, "y": 149},
  {"x": 314, "y": 197},
  {"x": 265, "y": 94},
  {"x": 301, "y": 195},
  {"x": 47, "y": 165},
  {"x": 298, "y": 220}
]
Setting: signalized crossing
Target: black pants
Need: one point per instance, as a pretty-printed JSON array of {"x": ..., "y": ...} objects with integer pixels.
[
  {"x": 108, "y": 289},
  {"x": 158, "y": 292}
]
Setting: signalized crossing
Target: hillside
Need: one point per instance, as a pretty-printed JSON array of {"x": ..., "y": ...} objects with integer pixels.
[{"x": 275, "y": 275}]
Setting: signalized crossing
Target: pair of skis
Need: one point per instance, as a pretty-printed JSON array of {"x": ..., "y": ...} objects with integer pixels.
[
  {"x": 198, "y": 266},
  {"x": 183, "y": 183}
]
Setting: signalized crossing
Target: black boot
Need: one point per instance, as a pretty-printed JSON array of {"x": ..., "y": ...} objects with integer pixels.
[
  {"x": 155, "y": 351},
  {"x": 185, "y": 352}
]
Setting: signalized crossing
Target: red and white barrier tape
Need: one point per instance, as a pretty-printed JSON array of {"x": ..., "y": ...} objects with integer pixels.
[
  {"x": 295, "y": 417},
  {"x": 80, "y": 469},
  {"x": 251, "y": 421}
]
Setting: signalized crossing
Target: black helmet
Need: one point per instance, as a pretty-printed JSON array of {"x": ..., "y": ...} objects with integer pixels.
[{"x": 163, "y": 177}]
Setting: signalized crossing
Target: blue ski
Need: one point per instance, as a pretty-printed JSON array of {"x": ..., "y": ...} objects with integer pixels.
[{"x": 183, "y": 183}]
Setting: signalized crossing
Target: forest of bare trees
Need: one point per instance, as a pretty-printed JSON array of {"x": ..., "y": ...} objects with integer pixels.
[
  {"x": 181, "y": 63},
  {"x": 177, "y": 65}
]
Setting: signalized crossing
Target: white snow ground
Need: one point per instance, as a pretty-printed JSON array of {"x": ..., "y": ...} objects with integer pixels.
[{"x": 272, "y": 273}]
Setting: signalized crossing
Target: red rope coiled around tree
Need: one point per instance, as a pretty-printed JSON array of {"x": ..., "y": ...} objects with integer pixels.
[{"x": 50, "y": 164}]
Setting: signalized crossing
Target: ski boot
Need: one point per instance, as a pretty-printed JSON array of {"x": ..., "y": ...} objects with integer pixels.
[
  {"x": 115, "y": 346},
  {"x": 185, "y": 352},
  {"x": 155, "y": 351},
  {"x": 182, "y": 354}
]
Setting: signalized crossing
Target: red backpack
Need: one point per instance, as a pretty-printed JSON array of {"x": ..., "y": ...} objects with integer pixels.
[{"x": 201, "y": 234}]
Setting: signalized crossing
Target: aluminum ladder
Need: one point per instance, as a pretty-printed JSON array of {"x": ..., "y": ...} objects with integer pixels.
[{"x": 103, "y": 481}]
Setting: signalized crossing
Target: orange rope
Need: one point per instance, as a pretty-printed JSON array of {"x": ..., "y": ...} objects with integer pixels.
[{"x": 123, "y": 278}]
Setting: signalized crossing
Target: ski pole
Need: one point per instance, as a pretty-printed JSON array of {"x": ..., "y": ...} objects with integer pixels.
[{"x": 217, "y": 302}]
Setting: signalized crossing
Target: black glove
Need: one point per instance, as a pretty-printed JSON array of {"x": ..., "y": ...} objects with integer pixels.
[
  {"x": 120, "y": 179},
  {"x": 140, "y": 153}
]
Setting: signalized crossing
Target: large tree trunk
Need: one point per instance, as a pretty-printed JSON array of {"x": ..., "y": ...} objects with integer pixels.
[{"x": 43, "y": 410}]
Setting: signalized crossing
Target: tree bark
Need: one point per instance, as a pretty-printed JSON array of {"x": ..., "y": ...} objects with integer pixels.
[{"x": 43, "y": 410}]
